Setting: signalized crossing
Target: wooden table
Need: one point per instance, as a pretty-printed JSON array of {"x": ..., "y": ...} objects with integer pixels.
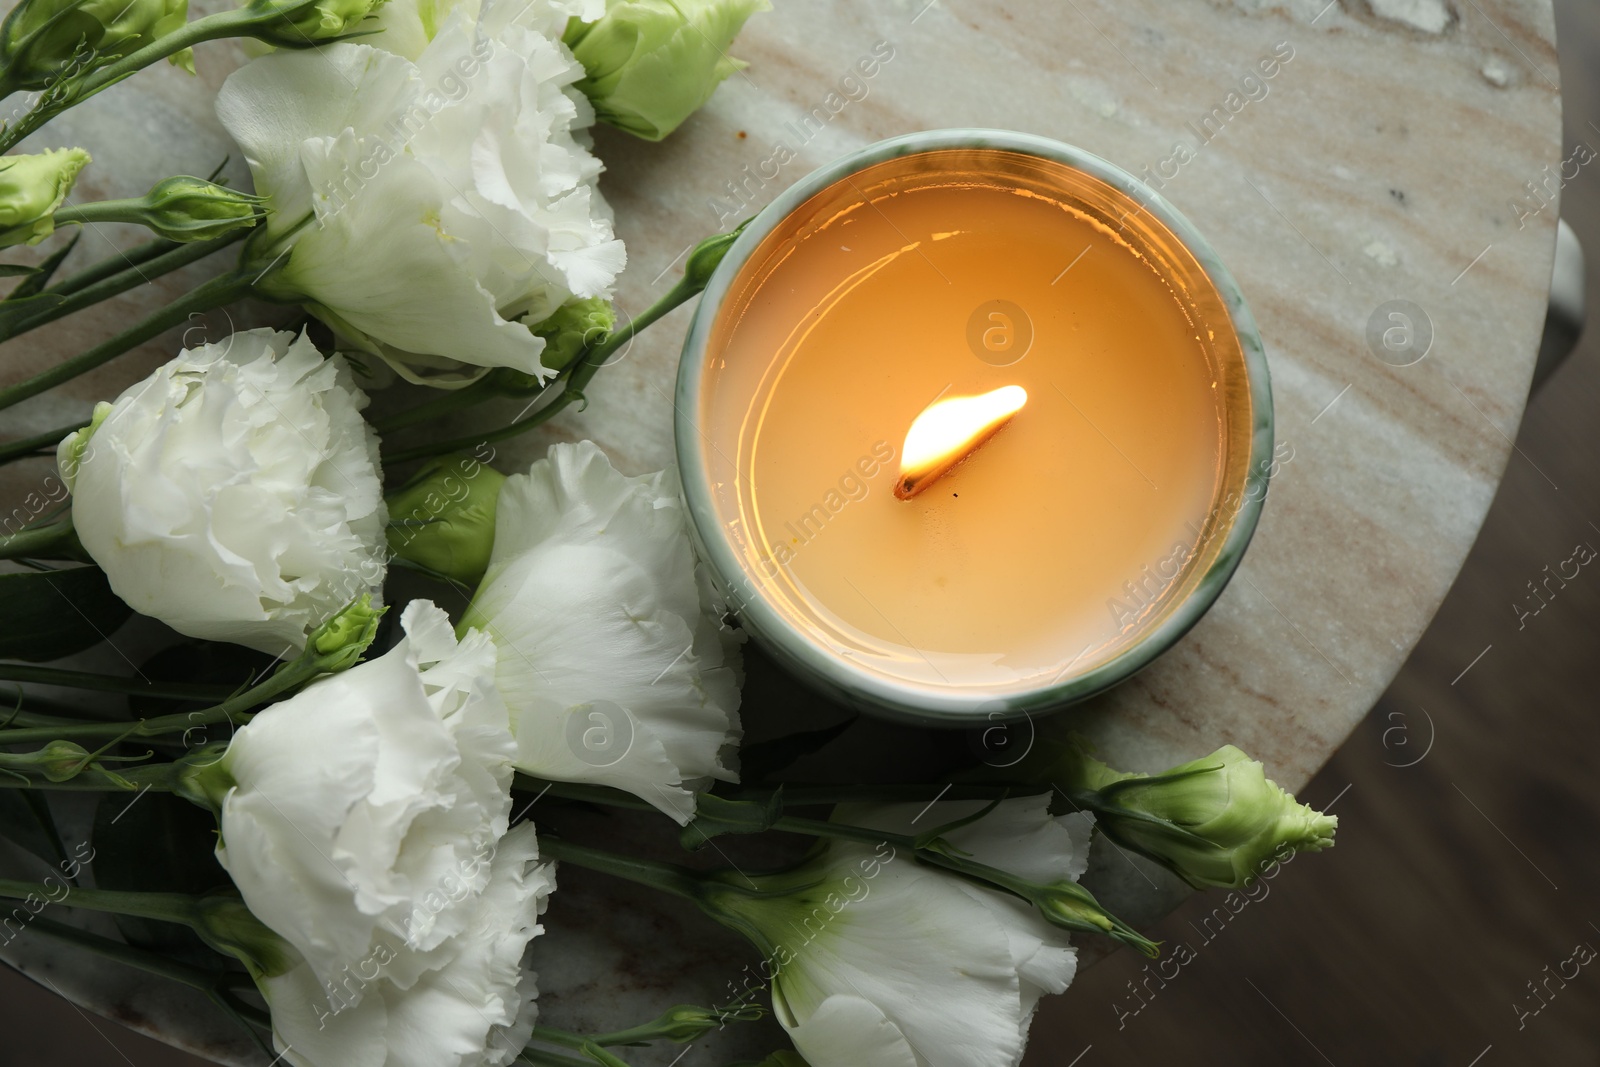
[{"x": 1405, "y": 150}]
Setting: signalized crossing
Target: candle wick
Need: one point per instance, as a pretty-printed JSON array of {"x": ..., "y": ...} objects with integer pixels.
[{"x": 949, "y": 431}]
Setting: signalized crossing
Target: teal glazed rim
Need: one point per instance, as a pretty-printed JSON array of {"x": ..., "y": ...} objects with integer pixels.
[{"x": 867, "y": 689}]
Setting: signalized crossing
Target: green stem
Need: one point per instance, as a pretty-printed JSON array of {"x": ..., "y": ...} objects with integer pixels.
[
  {"x": 443, "y": 404},
  {"x": 130, "y": 276},
  {"x": 110, "y": 683},
  {"x": 116, "y": 263},
  {"x": 235, "y": 23},
  {"x": 667, "y": 877},
  {"x": 54, "y": 540},
  {"x": 129, "y": 209},
  {"x": 551, "y": 1036},
  {"x": 158, "y": 778},
  {"x": 794, "y": 796},
  {"x": 543, "y": 1058},
  {"x": 802, "y": 795},
  {"x": 583, "y": 371},
  {"x": 663, "y": 1029},
  {"x": 292, "y": 674},
  {"x": 212, "y": 294},
  {"x": 587, "y": 794},
  {"x": 167, "y": 907},
  {"x": 43, "y": 444},
  {"x": 55, "y": 711},
  {"x": 1064, "y": 903}
]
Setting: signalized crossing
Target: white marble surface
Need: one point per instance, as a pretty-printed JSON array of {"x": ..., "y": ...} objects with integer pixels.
[{"x": 1383, "y": 161}]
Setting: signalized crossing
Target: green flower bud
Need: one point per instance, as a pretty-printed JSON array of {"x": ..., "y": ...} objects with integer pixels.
[
  {"x": 443, "y": 519},
  {"x": 193, "y": 209},
  {"x": 301, "y": 23},
  {"x": 341, "y": 640},
  {"x": 575, "y": 325},
  {"x": 1217, "y": 821},
  {"x": 31, "y": 189},
  {"x": 43, "y": 42},
  {"x": 227, "y": 925},
  {"x": 707, "y": 256},
  {"x": 62, "y": 761},
  {"x": 650, "y": 63}
]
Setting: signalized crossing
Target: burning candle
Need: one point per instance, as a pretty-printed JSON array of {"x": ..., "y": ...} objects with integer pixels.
[
  {"x": 971, "y": 424},
  {"x": 948, "y": 431}
]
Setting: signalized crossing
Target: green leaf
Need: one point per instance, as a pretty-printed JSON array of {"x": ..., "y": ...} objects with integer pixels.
[
  {"x": 16, "y": 270},
  {"x": 157, "y": 843},
  {"x": 41, "y": 275},
  {"x": 50, "y": 614}
]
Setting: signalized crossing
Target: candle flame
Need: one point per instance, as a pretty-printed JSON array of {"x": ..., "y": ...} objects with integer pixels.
[{"x": 950, "y": 430}]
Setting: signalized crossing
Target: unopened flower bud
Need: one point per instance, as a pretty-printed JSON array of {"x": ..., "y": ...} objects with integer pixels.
[
  {"x": 1215, "y": 821},
  {"x": 62, "y": 761},
  {"x": 301, "y": 23},
  {"x": 651, "y": 63},
  {"x": 193, "y": 209},
  {"x": 32, "y": 187},
  {"x": 443, "y": 519},
  {"x": 576, "y": 325},
  {"x": 341, "y": 640},
  {"x": 707, "y": 256}
]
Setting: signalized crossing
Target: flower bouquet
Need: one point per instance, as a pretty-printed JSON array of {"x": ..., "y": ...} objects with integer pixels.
[{"x": 403, "y": 692}]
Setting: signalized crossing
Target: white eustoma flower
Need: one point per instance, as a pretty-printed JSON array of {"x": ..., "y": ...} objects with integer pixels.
[
  {"x": 472, "y": 1001},
  {"x": 235, "y": 493},
  {"x": 430, "y": 191},
  {"x": 884, "y": 961},
  {"x": 613, "y": 655},
  {"x": 405, "y": 27},
  {"x": 364, "y": 810}
]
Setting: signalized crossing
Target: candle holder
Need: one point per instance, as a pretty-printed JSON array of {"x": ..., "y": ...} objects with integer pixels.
[{"x": 984, "y": 663}]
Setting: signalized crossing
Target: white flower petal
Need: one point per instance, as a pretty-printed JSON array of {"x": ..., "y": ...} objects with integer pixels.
[
  {"x": 851, "y": 1029},
  {"x": 881, "y": 960},
  {"x": 936, "y": 962},
  {"x": 452, "y": 184},
  {"x": 468, "y": 1003},
  {"x": 615, "y": 662},
  {"x": 368, "y": 805},
  {"x": 234, "y": 494},
  {"x": 277, "y": 103}
]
